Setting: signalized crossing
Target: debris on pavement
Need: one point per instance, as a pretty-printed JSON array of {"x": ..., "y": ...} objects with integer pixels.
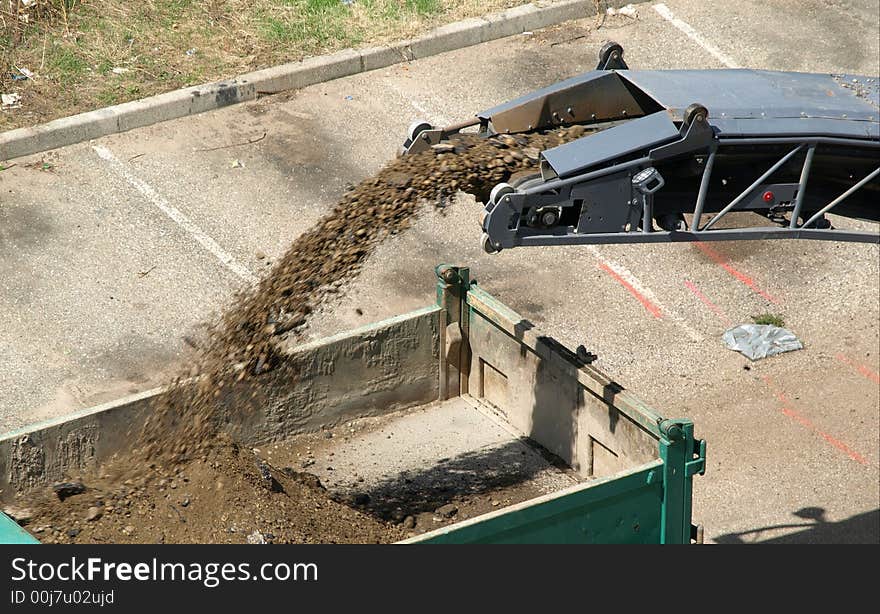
[
  {"x": 627, "y": 11},
  {"x": 24, "y": 74},
  {"x": 757, "y": 341},
  {"x": 256, "y": 537},
  {"x": 143, "y": 274},
  {"x": 247, "y": 142},
  {"x": 94, "y": 513},
  {"x": 40, "y": 165},
  {"x": 10, "y": 101}
]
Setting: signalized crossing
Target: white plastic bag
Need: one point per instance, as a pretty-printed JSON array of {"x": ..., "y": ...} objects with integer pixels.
[{"x": 760, "y": 340}]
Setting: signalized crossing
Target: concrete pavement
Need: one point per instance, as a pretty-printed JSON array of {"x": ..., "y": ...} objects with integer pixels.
[{"x": 115, "y": 255}]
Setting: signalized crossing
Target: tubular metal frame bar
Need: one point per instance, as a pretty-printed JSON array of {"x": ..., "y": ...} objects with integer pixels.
[
  {"x": 732, "y": 204},
  {"x": 802, "y": 186},
  {"x": 704, "y": 186},
  {"x": 602, "y": 172},
  {"x": 783, "y": 140},
  {"x": 792, "y": 231},
  {"x": 755, "y": 233},
  {"x": 841, "y": 198},
  {"x": 811, "y": 145}
]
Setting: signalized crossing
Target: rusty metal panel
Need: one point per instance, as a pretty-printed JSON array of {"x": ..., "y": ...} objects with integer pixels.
[{"x": 592, "y": 97}]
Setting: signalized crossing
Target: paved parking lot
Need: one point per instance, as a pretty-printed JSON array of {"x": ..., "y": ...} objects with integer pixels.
[{"x": 110, "y": 259}]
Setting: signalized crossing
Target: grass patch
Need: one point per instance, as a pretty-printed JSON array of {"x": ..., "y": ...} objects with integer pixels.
[
  {"x": 108, "y": 97},
  {"x": 68, "y": 64},
  {"x": 394, "y": 10},
  {"x": 769, "y": 318},
  {"x": 425, "y": 7},
  {"x": 92, "y": 54}
]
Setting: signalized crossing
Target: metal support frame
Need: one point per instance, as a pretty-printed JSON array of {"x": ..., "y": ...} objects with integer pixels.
[
  {"x": 683, "y": 457},
  {"x": 452, "y": 286},
  {"x": 841, "y": 198},
  {"x": 754, "y": 233},
  {"x": 507, "y": 229},
  {"x": 704, "y": 186},
  {"x": 802, "y": 186},
  {"x": 732, "y": 204}
]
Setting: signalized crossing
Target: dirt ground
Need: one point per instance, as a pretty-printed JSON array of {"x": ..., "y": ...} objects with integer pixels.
[
  {"x": 228, "y": 495},
  {"x": 271, "y": 494}
]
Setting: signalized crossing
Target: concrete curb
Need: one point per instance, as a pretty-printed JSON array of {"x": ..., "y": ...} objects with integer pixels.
[{"x": 295, "y": 75}]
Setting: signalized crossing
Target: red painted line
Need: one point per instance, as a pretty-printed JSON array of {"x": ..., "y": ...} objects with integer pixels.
[
  {"x": 712, "y": 306},
  {"x": 651, "y": 307},
  {"x": 720, "y": 260},
  {"x": 833, "y": 441},
  {"x": 862, "y": 369},
  {"x": 805, "y": 422}
]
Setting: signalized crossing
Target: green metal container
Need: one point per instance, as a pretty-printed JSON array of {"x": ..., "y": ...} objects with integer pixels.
[{"x": 635, "y": 467}]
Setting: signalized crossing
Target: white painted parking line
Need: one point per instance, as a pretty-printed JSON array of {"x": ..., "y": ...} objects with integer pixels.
[
  {"x": 433, "y": 118},
  {"x": 652, "y": 303},
  {"x": 161, "y": 203},
  {"x": 695, "y": 36}
]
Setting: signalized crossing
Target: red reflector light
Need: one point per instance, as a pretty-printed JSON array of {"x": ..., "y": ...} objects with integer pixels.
[{"x": 768, "y": 196}]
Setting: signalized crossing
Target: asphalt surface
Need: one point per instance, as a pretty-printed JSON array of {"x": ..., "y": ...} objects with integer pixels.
[{"x": 112, "y": 257}]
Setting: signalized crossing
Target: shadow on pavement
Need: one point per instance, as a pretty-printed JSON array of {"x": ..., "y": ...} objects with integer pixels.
[{"x": 860, "y": 529}]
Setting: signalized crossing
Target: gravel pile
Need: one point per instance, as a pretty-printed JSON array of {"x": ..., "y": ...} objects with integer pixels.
[
  {"x": 184, "y": 478},
  {"x": 244, "y": 342}
]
